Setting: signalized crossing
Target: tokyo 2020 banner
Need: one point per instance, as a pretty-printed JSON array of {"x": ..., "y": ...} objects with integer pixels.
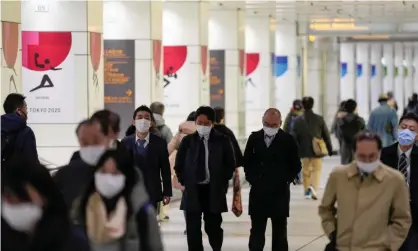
[{"x": 48, "y": 77}]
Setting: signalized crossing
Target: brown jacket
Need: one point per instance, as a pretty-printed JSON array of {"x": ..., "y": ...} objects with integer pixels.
[{"x": 373, "y": 215}]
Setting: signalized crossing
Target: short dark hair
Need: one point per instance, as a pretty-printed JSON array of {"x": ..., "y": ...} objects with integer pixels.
[
  {"x": 142, "y": 108},
  {"x": 409, "y": 116},
  {"x": 219, "y": 114},
  {"x": 369, "y": 136},
  {"x": 350, "y": 106},
  {"x": 83, "y": 123},
  {"x": 414, "y": 97},
  {"x": 297, "y": 104},
  {"x": 157, "y": 108},
  {"x": 12, "y": 102},
  {"x": 192, "y": 116},
  {"x": 308, "y": 103},
  {"x": 107, "y": 119},
  {"x": 206, "y": 110}
]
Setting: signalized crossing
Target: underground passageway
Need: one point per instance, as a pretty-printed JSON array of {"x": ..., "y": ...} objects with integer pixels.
[{"x": 303, "y": 225}]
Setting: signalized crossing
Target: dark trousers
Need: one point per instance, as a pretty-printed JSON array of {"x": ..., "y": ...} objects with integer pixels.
[
  {"x": 212, "y": 224},
  {"x": 411, "y": 242},
  {"x": 258, "y": 229}
]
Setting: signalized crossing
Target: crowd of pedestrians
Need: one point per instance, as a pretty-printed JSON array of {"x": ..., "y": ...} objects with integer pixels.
[{"x": 113, "y": 194}]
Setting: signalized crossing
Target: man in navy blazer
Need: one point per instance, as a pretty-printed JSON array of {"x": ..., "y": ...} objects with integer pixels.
[
  {"x": 150, "y": 155},
  {"x": 403, "y": 156}
]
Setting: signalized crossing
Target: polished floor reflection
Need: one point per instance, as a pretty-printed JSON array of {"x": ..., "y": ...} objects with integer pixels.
[{"x": 303, "y": 225}]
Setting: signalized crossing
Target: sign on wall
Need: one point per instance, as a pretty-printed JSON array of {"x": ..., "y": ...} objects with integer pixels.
[
  {"x": 217, "y": 78},
  {"x": 48, "y": 80},
  {"x": 119, "y": 79}
]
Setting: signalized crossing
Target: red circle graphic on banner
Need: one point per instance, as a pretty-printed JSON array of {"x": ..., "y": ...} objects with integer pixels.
[
  {"x": 10, "y": 37},
  {"x": 95, "y": 49},
  {"x": 252, "y": 62},
  {"x": 174, "y": 58},
  {"x": 43, "y": 51}
]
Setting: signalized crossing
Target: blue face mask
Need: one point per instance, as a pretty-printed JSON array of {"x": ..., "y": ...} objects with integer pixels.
[{"x": 406, "y": 137}]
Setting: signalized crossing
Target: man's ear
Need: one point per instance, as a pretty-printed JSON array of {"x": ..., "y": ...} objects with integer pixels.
[{"x": 133, "y": 122}]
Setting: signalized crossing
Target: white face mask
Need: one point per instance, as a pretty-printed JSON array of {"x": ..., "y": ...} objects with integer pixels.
[
  {"x": 203, "y": 130},
  {"x": 21, "y": 217},
  {"x": 270, "y": 131},
  {"x": 92, "y": 154},
  {"x": 368, "y": 167},
  {"x": 108, "y": 184},
  {"x": 142, "y": 125}
]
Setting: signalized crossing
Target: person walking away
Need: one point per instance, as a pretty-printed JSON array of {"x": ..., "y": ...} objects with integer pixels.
[
  {"x": 348, "y": 126},
  {"x": 314, "y": 142},
  {"x": 403, "y": 156},
  {"x": 34, "y": 216},
  {"x": 151, "y": 156},
  {"x": 185, "y": 128},
  {"x": 73, "y": 177},
  {"x": 334, "y": 130},
  {"x": 114, "y": 211},
  {"x": 271, "y": 164},
  {"x": 222, "y": 128},
  {"x": 157, "y": 109},
  {"x": 368, "y": 217},
  {"x": 383, "y": 121},
  {"x": 392, "y": 101},
  {"x": 412, "y": 106},
  {"x": 292, "y": 116},
  {"x": 204, "y": 165},
  {"x": 17, "y": 138}
]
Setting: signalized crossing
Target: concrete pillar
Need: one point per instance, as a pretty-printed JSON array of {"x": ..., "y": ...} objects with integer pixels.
[
  {"x": 11, "y": 47},
  {"x": 227, "y": 32},
  {"x": 363, "y": 79},
  {"x": 141, "y": 22},
  {"x": 376, "y": 74},
  {"x": 388, "y": 68},
  {"x": 286, "y": 66},
  {"x": 332, "y": 87},
  {"x": 313, "y": 85},
  {"x": 415, "y": 63},
  {"x": 409, "y": 72},
  {"x": 348, "y": 71},
  {"x": 258, "y": 80},
  {"x": 399, "y": 86},
  {"x": 185, "y": 40},
  {"x": 62, "y": 74}
]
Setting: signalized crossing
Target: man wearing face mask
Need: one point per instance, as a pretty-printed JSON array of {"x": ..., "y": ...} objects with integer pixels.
[
  {"x": 271, "y": 164},
  {"x": 204, "y": 165},
  {"x": 17, "y": 138},
  {"x": 151, "y": 156},
  {"x": 373, "y": 202},
  {"x": 72, "y": 178},
  {"x": 403, "y": 156}
]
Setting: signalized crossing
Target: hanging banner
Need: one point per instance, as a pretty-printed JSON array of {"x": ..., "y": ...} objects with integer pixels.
[
  {"x": 343, "y": 70},
  {"x": 119, "y": 79},
  {"x": 217, "y": 78},
  {"x": 373, "y": 71},
  {"x": 48, "y": 77},
  {"x": 253, "y": 79},
  {"x": 280, "y": 65},
  {"x": 396, "y": 71},
  {"x": 359, "y": 70}
]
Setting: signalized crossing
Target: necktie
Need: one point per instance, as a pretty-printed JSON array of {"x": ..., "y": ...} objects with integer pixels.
[
  {"x": 201, "y": 161},
  {"x": 403, "y": 166},
  {"x": 140, "y": 146}
]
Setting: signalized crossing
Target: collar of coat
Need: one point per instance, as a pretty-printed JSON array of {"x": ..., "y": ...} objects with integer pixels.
[{"x": 379, "y": 174}]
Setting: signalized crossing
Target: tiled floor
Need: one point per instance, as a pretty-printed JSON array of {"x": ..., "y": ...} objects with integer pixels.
[{"x": 303, "y": 225}]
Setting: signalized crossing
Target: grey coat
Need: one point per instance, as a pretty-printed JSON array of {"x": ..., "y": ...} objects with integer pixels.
[{"x": 131, "y": 241}]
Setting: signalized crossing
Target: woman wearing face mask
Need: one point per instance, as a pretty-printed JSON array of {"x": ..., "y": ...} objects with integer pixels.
[
  {"x": 114, "y": 211},
  {"x": 34, "y": 216}
]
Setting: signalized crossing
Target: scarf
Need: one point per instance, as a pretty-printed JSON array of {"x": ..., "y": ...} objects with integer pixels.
[{"x": 101, "y": 228}]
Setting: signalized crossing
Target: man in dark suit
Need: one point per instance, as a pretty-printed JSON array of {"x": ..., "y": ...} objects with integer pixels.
[
  {"x": 71, "y": 179},
  {"x": 204, "y": 165},
  {"x": 403, "y": 156},
  {"x": 271, "y": 164},
  {"x": 150, "y": 154}
]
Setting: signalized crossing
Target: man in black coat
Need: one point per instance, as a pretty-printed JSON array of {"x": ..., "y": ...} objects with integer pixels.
[
  {"x": 150, "y": 154},
  {"x": 403, "y": 156},
  {"x": 271, "y": 164},
  {"x": 71, "y": 179},
  {"x": 204, "y": 165}
]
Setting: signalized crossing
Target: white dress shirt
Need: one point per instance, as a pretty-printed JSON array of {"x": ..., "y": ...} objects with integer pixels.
[
  {"x": 268, "y": 139},
  {"x": 146, "y": 140}
]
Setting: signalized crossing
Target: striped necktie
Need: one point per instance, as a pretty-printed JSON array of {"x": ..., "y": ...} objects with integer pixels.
[{"x": 403, "y": 165}]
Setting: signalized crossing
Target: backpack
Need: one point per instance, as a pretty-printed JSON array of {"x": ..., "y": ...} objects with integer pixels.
[
  {"x": 349, "y": 129},
  {"x": 8, "y": 145}
]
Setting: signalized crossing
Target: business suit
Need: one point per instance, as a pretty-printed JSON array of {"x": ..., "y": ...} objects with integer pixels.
[
  {"x": 208, "y": 199},
  {"x": 270, "y": 165},
  {"x": 390, "y": 157},
  {"x": 154, "y": 165}
]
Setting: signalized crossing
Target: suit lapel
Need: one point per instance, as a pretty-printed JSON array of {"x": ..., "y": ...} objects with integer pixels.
[
  {"x": 261, "y": 144},
  {"x": 394, "y": 158},
  {"x": 413, "y": 168}
]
